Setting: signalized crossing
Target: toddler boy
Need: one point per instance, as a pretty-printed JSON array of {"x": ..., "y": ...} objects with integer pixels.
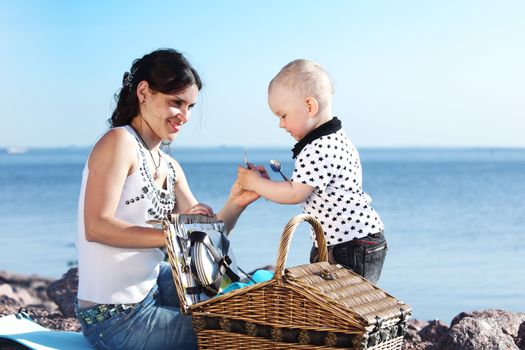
[{"x": 327, "y": 178}]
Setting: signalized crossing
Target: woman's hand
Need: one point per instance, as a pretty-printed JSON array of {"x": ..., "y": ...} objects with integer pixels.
[
  {"x": 238, "y": 200},
  {"x": 239, "y": 192},
  {"x": 200, "y": 208}
]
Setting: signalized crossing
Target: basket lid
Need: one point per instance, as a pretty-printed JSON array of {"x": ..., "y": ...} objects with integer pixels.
[{"x": 337, "y": 285}]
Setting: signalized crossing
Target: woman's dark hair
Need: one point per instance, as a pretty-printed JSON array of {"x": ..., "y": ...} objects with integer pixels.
[{"x": 166, "y": 71}]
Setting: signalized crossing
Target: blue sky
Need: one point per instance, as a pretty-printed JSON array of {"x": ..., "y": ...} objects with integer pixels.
[{"x": 406, "y": 73}]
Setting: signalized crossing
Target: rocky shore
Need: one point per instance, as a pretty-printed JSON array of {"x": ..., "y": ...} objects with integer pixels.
[{"x": 50, "y": 303}]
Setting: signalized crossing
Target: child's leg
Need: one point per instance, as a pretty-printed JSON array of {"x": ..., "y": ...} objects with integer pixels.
[{"x": 364, "y": 256}]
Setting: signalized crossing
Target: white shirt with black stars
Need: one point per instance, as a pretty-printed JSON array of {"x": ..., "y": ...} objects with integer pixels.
[{"x": 332, "y": 166}]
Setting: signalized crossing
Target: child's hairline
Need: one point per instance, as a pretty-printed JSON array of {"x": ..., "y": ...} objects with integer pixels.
[{"x": 319, "y": 87}]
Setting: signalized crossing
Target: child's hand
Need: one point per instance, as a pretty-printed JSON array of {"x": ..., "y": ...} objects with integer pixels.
[
  {"x": 246, "y": 178},
  {"x": 261, "y": 169}
]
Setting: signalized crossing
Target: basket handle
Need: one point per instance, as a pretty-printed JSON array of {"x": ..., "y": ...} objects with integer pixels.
[{"x": 286, "y": 237}]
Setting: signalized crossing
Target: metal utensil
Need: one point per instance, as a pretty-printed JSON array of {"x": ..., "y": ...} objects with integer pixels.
[
  {"x": 246, "y": 160},
  {"x": 276, "y": 166}
]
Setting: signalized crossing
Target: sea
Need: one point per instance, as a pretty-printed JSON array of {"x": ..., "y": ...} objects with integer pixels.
[{"x": 455, "y": 218}]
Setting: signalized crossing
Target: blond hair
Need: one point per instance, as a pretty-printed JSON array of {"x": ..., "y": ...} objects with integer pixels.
[{"x": 307, "y": 78}]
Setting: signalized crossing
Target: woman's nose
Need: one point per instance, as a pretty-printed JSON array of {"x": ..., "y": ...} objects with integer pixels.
[{"x": 184, "y": 115}]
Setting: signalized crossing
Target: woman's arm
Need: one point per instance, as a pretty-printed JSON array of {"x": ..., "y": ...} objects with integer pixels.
[
  {"x": 113, "y": 158},
  {"x": 238, "y": 200}
]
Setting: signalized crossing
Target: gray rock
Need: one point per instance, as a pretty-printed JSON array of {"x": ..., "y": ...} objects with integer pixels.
[
  {"x": 520, "y": 341},
  {"x": 19, "y": 294},
  {"x": 64, "y": 292},
  {"x": 490, "y": 329},
  {"x": 29, "y": 293},
  {"x": 433, "y": 331},
  {"x": 412, "y": 339}
]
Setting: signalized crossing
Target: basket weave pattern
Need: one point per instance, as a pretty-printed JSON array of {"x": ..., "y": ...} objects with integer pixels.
[{"x": 311, "y": 306}]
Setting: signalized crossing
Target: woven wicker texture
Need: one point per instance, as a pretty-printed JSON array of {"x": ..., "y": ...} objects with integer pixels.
[
  {"x": 311, "y": 306},
  {"x": 225, "y": 340}
]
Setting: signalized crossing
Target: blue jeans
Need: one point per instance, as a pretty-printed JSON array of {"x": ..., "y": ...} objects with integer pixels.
[
  {"x": 365, "y": 256},
  {"x": 154, "y": 323}
]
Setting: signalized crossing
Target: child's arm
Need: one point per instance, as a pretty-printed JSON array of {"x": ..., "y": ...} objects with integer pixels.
[{"x": 277, "y": 191}]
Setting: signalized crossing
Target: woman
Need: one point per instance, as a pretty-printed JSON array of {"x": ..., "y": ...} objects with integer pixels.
[{"x": 126, "y": 295}]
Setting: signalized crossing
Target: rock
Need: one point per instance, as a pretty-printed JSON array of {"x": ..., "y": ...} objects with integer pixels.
[
  {"x": 412, "y": 340},
  {"x": 8, "y": 305},
  {"x": 52, "y": 320},
  {"x": 422, "y": 335},
  {"x": 490, "y": 329},
  {"x": 64, "y": 292},
  {"x": 520, "y": 340},
  {"x": 433, "y": 331},
  {"x": 29, "y": 292},
  {"x": 21, "y": 295},
  {"x": 29, "y": 288}
]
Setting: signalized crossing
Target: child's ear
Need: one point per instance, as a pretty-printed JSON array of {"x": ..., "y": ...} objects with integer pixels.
[{"x": 312, "y": 106}]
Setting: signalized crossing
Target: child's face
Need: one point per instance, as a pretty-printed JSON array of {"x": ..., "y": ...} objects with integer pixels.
[{"x": 292, "y": 111}]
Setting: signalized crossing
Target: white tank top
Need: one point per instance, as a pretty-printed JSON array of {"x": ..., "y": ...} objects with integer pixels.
[{"x": 109, "y": 275}]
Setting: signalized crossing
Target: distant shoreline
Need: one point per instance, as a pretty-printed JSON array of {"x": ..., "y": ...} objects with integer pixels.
[{"x": 5, "y": 149}]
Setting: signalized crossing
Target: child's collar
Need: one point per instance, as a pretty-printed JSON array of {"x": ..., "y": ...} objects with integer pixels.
[{"x": 330, "y": 127}]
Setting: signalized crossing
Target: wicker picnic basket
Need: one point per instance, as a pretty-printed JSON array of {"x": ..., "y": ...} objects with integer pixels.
[{"x": 311, "y": 306}]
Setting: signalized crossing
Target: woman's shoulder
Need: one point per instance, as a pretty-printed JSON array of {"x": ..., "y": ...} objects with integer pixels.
[
  {"x": 116, "y": 136},
  {"x": 116, "y": 142}
]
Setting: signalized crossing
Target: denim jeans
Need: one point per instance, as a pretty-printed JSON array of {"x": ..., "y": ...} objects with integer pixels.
[
  {"x": 154, "y": 323},
  {"x": 365, "y": 256}
]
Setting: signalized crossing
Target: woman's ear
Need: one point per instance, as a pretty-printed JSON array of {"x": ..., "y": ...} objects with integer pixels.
[
  {"x": 143, "y": 91},
  {"x": 312, "y": 106}
]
